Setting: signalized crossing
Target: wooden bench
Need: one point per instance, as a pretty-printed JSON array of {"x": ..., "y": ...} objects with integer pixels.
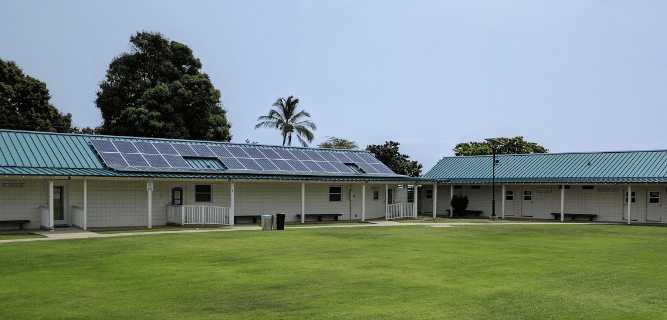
[
  {"x": 574, "y": 216},
  {"x": 321, "y": 215},
  {"x": 19, "y": 223}
]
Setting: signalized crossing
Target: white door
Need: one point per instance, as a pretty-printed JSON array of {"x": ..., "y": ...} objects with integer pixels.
[
  {"x": 512, "y": 202},
  {"x": 528, "y": 203},
  {"x": 653, "y": 205}
]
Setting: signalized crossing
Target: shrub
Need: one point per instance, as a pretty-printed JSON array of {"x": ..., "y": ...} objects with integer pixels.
[{"x": 459, "y": 204}]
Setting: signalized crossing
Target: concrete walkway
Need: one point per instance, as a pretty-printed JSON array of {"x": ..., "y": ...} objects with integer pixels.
[{"x": 73, "y": 233}]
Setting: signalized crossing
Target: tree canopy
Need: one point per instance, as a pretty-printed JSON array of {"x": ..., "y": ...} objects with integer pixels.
[
  {"x": 158, "y": 90},
  {"x": 24, "y": 103},
  {"x": 289, "y": 121},
  {"x": 390, "y": 155},
  {"x": 338, "y": 143},
  {"x": 515, "y": 145}
]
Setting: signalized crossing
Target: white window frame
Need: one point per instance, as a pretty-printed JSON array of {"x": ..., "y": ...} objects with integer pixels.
[
  {"x": 340, "y": 194},
  {"x": 210, "y": 193},
  {"x": 654, "y": 195}
]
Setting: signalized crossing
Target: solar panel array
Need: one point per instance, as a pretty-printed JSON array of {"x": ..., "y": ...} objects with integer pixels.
[{"x": 126, "y": 155}]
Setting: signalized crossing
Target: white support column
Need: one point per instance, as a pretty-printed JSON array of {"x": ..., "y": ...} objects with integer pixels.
[
  {"x": 84, "y": 219},
  {"x": 451, "y": 196},
  {"x": 562, "y": 203},
  {"x": 415, "y": 207},
  {"x": 363, "y": 202},
  {"x": 502, "y": 202},
  {"x": 50, "y": 219},
  {"x": 435, "y": 201},
  {"x": 149, "y": 196},
  {"x": 386, "y": 199},
  {"x": 303, "y": 202},
  {"x": 629, "y": 203},
  {"x": 232, "y": 203}
]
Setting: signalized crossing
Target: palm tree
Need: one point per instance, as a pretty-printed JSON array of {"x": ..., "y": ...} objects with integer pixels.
[{"x": 285, "y": 118}]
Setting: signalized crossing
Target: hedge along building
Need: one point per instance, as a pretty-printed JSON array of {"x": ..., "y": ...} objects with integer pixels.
[
  {"x": 545, "y": 185},
  {"x": 108, "y": 181}
]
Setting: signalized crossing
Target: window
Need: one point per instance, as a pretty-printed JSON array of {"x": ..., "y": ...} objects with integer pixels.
[
  {"x": 587, "y": 187},
  {"x": 458, "y": 187},
  {"x": 654, "y": 197},
  {"x": 202, "y": 193},
  {"x": 335, "y": 194},
  {"x": 376, "y": 195},
  {"x": 475, "y": 187},
  {"x": 528, "y": 195},
  {"x": 429, "y": 194},
  {"x": 177, "y": 196},
  {"x": 509, "y": 195},
  {"x": 411, "y": 194},
  {"x": 633, "y": 196}
]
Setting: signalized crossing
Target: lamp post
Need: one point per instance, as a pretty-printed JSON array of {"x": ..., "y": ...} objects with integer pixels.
[{"x": 493, "y": 182}]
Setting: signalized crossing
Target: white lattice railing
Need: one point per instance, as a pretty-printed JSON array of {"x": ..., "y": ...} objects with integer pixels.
[
  {"x": 400, "y": 211},
  {"x": 193, "y": 214}
]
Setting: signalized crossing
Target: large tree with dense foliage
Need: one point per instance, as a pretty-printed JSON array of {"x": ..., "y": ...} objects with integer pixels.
[
  {"x": 515, "y": 145},
  {"x": 158, "y": 90},
  {"x": 286, "y": 118},
  {"x": 391, "y": 156},
  {"x": 24, "y": 103},
  {"x": 338, "y": 143}
]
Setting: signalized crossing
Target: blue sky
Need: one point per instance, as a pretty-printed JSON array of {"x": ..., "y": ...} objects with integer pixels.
[{"x": 573, "y": 75}]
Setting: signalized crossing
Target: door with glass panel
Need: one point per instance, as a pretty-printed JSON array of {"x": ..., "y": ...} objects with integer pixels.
[
  {"x": 59, "y": 205},
  {"x": 653, "y": 206}
]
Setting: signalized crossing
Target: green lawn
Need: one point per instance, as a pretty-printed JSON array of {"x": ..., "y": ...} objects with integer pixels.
[
  {"x": 408, "y": 272},
  {"x": 17, "y": 235}
]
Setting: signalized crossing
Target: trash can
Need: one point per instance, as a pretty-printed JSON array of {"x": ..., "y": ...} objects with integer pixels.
[
  {"x": 280, "y": 221},
  {"x": 267, "y": 222}
]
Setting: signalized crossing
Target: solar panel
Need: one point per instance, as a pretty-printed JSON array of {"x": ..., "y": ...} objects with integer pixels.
[
  {"x": 184, "y": 150},
  {"x": 300, "y": 155},
  {"x": 297, "y": 165},
  {"x": 232, "y": 164},
  {"x": 342, "y": 167},
  {"x": 270, "y": 153},
  {"x": 285, "y": 154},
  {"x": 250, "y": 164},
  {"x": 113, "y": 159},
  {"x": 156, "y": 161},
  {"x": 381, "y": 168},
  {"x": 220, "y": 151},
  {"x": 253, "y": 152},
  {"x": 135, "y": 160},
  {"x": 368, "y": 158},
  {"x": 328, "y": 167},
  {"x": 314, "y": 155},
  {"x": 328, "y": 156},
  {"x": 342, "y": 157},
  {"x": 266, "y": 164},
  {"x": 237, "y": 152},
  {"x": 283, "y": 165},
  {"x": 103, "y": 146},
  {"x": 165, "y": 148},
  {"x": 125, "y": 147},
  {"x": 354, "y": 156},
  {"x": 202, "y": 151},
  {"x": 312, "y": 165},
  {"x": 366, "y": 167},
  {"x": 145, "y": 147},
  {"x": 176, "y": 161}
]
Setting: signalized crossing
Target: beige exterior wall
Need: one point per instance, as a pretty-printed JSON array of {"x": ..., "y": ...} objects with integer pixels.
[
  {"x": 607, "y": 201},
  {"x": 123, "y": 203}
]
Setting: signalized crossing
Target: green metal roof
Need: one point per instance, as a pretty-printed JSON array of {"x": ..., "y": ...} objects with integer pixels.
[
  {"x": 29, "y": 153},
  {"x": 594, "y": 167}
]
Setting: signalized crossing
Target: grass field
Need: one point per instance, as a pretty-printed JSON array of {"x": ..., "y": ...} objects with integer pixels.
[
  {"x": 11, "y": 235},
  {"x": 408, "y": 272}
]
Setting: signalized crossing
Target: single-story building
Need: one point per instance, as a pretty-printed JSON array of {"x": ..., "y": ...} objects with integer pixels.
[
  {"x": 554, "y": 185},
  {"x": 49, "y": 180}
]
